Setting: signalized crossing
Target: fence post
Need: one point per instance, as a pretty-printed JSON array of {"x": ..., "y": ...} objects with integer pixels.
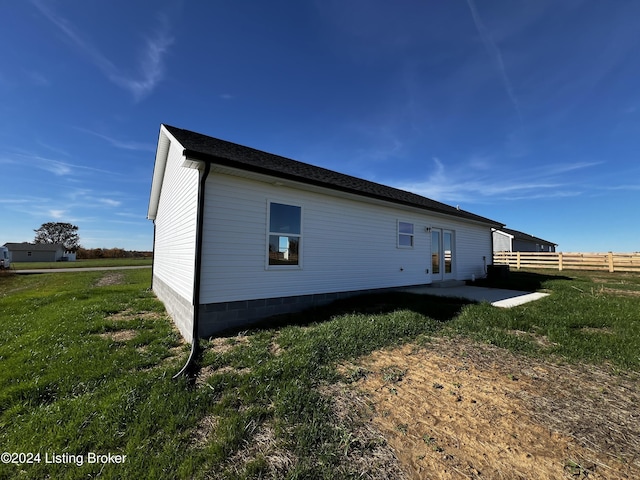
[
  {"x": 518, "y": 260},
  {"x": 610, "y": 256},
  {"x": 560, "y": 261}
]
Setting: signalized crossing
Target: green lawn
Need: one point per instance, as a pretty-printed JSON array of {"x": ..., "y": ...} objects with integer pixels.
[
  {"x": 87, "y": 368},
  {"x": 100, "y": 262},
  {"x": 590, "y": 317}
]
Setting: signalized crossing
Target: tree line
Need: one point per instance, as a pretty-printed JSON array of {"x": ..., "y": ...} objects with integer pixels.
[{"x": 91, "y": 253}]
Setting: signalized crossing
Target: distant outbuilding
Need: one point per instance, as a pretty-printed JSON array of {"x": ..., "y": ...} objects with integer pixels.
[{"x": 36, "y": 252}]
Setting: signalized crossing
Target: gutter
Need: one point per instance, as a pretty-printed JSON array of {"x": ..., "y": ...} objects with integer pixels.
[{"x": 188, "y": 368}]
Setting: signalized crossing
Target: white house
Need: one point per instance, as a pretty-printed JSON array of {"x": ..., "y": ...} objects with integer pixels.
[
  {"x": 241, "y": 234},
  {"x": 508, "y": 240}
]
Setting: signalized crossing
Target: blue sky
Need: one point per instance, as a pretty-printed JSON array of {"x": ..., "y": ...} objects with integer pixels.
[{"x": 524, "y": 111}]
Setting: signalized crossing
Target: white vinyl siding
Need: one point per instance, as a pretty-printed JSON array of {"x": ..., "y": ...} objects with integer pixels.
[
  {"x": 349, "y": 244},
  {"x": 175, "y": 225},
  {"x": 472, "y": 249},
  {"x": 501, "y": 241}
]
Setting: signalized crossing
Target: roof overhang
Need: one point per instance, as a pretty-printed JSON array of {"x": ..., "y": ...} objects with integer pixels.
[
  {"x": 196, "y": 149},
  {"x": 162, "y": 153},
  {"x": 497, "y": 230}
]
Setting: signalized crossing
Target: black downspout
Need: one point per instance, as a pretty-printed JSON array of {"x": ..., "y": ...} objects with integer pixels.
[
  {"x": 187, "y": 370},
  {"x": 153, "y": 255}
]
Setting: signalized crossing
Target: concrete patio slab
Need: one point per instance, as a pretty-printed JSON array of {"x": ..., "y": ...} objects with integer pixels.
[{"x": 495, "y": 296}]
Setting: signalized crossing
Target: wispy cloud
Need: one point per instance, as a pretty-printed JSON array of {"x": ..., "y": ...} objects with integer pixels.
[
  {"x": 493, "y": 50},
  {"x": 51, "y": 165},
  {"x": 110, "y": 202},
  {"x": 479, "y": 185},
  {"x": 151, "y": 60},
  {"x": 94, "y": 199},
  {"x": 57, "y": 214},
  {"x": 628, "y": 187},
  {"x": 122, "y": 144}
]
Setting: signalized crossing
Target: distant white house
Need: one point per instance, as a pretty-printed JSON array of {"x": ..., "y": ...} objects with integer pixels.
[
  {"x": 242, "y": 234},
  {"x": 508, "y": 240}
]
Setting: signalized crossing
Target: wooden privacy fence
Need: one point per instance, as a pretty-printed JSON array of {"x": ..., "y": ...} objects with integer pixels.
[{"x": 612, "y": 262}]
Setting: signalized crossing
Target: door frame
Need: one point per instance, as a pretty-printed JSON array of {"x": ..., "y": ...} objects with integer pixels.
[{"x": 446, "y": 260}]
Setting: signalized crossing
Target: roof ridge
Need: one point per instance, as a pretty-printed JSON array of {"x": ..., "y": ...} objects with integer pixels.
[{"x": 224, "y": 152}]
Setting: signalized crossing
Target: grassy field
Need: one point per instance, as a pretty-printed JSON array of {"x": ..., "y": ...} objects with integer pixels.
[
  {"x": 87, "y": 361},
  {"x": 100, "y": 262}
]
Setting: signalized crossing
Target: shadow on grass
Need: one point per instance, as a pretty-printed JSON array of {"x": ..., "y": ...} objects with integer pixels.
[
  {"x": 521, "y": 281},
  {"x": 437, "y": 308}
]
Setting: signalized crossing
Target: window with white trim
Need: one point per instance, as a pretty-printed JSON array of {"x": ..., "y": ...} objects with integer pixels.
[
  {"x": 285, "y": 235},
  {"x": 405, "y": 235}
]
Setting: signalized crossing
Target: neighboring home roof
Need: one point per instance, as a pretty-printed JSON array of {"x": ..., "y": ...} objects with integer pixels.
[
  {"x": 525, "y": 236},
  {"x": 209, "y": 149},
  {"x": 34, "y": 247}
]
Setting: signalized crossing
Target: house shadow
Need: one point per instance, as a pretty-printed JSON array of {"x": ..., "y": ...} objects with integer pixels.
[
  {"x": 519, "y": 280},
  {"x": 437, "y": 308}
]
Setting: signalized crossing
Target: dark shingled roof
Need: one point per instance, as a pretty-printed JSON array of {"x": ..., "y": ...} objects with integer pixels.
[
  {"x": 525, "y": 236},
  {"x": 209, "y": 149}
]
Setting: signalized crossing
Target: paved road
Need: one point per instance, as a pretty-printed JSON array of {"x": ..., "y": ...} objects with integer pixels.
[{"x": 80, "y": 269}]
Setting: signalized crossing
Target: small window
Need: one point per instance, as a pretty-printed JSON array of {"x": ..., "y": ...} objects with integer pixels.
[
  {"x": 28, "y": 254},
  {"x": 405, "y": 235},
  {"x": 285, "y": 234}
]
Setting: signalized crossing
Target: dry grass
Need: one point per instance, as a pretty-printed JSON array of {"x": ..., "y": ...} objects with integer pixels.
[
  {"x": 620, "y": 292},
  {"x": 221, "y": 345},
  {"x": 465, "y": 410},
  {"x": 203, "y": 431},
  {"x": 364, "y": 446},
  {"x": 131, "y": 314},
  {"x": 207, "y": 372},
  {"x": 119, "y": 335},
  {"x": 263, "y": 447},
  {"x": 110, "y": 278}
]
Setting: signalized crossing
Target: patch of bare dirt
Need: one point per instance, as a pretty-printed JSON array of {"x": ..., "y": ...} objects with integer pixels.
[
  {"x": 207, "y": 372},
  {"x": 275, "y": 349},
  {"x": 456, "y": 409},
  {"x": 130, "y": 314},
  {"x": 222, "y": 345},
  {"x": 111, "y": 278},
  {"x": 541, "y": 340},
  {"x": 618, "y": 277},
  {"x": 621, "y": 293},
  {"x": 119, "y": 335}
]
